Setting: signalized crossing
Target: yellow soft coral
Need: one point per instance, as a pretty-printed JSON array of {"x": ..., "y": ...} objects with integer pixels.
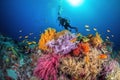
[
  {"x": 96, "y": 40},
  {"x": 58, "y": 34},
  {"x": 48, "y": 35}
]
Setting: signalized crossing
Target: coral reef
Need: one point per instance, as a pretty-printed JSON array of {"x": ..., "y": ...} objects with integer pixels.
[{"x": 59, "y": 56}]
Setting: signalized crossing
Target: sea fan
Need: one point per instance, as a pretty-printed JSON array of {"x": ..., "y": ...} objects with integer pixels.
[{"x": 47, "y": 67}]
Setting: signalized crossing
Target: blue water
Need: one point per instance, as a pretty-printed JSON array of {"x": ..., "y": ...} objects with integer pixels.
[{"x": 34, "y": 16}]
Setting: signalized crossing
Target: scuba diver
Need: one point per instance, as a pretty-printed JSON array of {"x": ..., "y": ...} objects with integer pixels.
[{"x": 65, "y": 23}]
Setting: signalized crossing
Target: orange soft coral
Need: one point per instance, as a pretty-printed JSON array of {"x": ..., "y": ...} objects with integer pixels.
[
  {"x": 48, "y": 35},
  {"x": 82, "y": 47}
]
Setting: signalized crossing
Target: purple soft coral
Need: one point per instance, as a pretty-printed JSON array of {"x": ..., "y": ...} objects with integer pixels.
[
  {"x": 63, "y": 43},
  {"x": 47, "y": 67},
  {"x": 109, "y": 66}
]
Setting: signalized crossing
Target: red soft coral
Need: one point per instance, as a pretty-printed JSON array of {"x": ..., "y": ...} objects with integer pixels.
[
  {"x": 81, "y": 47},
  {"x": 77, "y": 51},
  {"x": 47, "y": 67}
]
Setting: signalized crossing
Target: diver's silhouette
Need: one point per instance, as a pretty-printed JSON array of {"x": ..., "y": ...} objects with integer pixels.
[{"x": 64, "y": 22}]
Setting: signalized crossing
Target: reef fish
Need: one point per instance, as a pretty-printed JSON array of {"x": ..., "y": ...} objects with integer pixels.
[{"x": 102, "y": 56}]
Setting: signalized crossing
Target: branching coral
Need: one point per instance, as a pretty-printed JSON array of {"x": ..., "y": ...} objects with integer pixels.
[
  {"x": 47, "y": 67},
  {"x": 71, "y": 67},
  {"x": 94, "y": 64},
  {"x": 62, "y": 44},
  {"x": 45, "y": 37}
]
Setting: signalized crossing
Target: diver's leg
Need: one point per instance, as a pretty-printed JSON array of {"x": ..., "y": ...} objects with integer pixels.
[{"x": 73, "y": 28}]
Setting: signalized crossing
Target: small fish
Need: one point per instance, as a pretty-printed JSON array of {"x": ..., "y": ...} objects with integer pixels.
[
  {"x": 102, "y": 56},
  {"x": 94, "y": 29},
  {"x": 33, "y": 42},
  {"x": 26, "y": 37},
  {"x": 87, "y": 26},
  {"x": 20, "y": 37},
  {"x": 34, "y": 37},
  {"x": 108, "y": 30},
  {"x": 30, "y": 33},
  {"x": 87, "y": 29},
  {"x": 107, "y": 37},
  {"x": 20, "y": 30},
  {"x": 112, "y": 35}
]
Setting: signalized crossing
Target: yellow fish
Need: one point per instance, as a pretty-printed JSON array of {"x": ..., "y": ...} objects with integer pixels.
[
  {"x": 20, "y": 37},
  {"x": 26, "y": 36},
  {"x": 33, "y": 42}
]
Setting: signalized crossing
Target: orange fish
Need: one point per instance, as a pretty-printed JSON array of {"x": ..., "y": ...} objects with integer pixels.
[{"x": 102, "y": 56}]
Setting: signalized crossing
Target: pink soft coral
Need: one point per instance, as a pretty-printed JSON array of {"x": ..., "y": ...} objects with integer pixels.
[{"x": 47, "y": 67}]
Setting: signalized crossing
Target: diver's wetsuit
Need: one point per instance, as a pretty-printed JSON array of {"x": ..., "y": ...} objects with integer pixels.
[{"x": 64, "y": 22}]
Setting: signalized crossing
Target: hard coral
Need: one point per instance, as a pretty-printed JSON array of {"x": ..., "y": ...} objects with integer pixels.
[
  {"x": 94, "y": 64},
  {"x": 71, "y": 67},
  {"x": 47, "y": 67},
  {"x": 46, "y": 37}
]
